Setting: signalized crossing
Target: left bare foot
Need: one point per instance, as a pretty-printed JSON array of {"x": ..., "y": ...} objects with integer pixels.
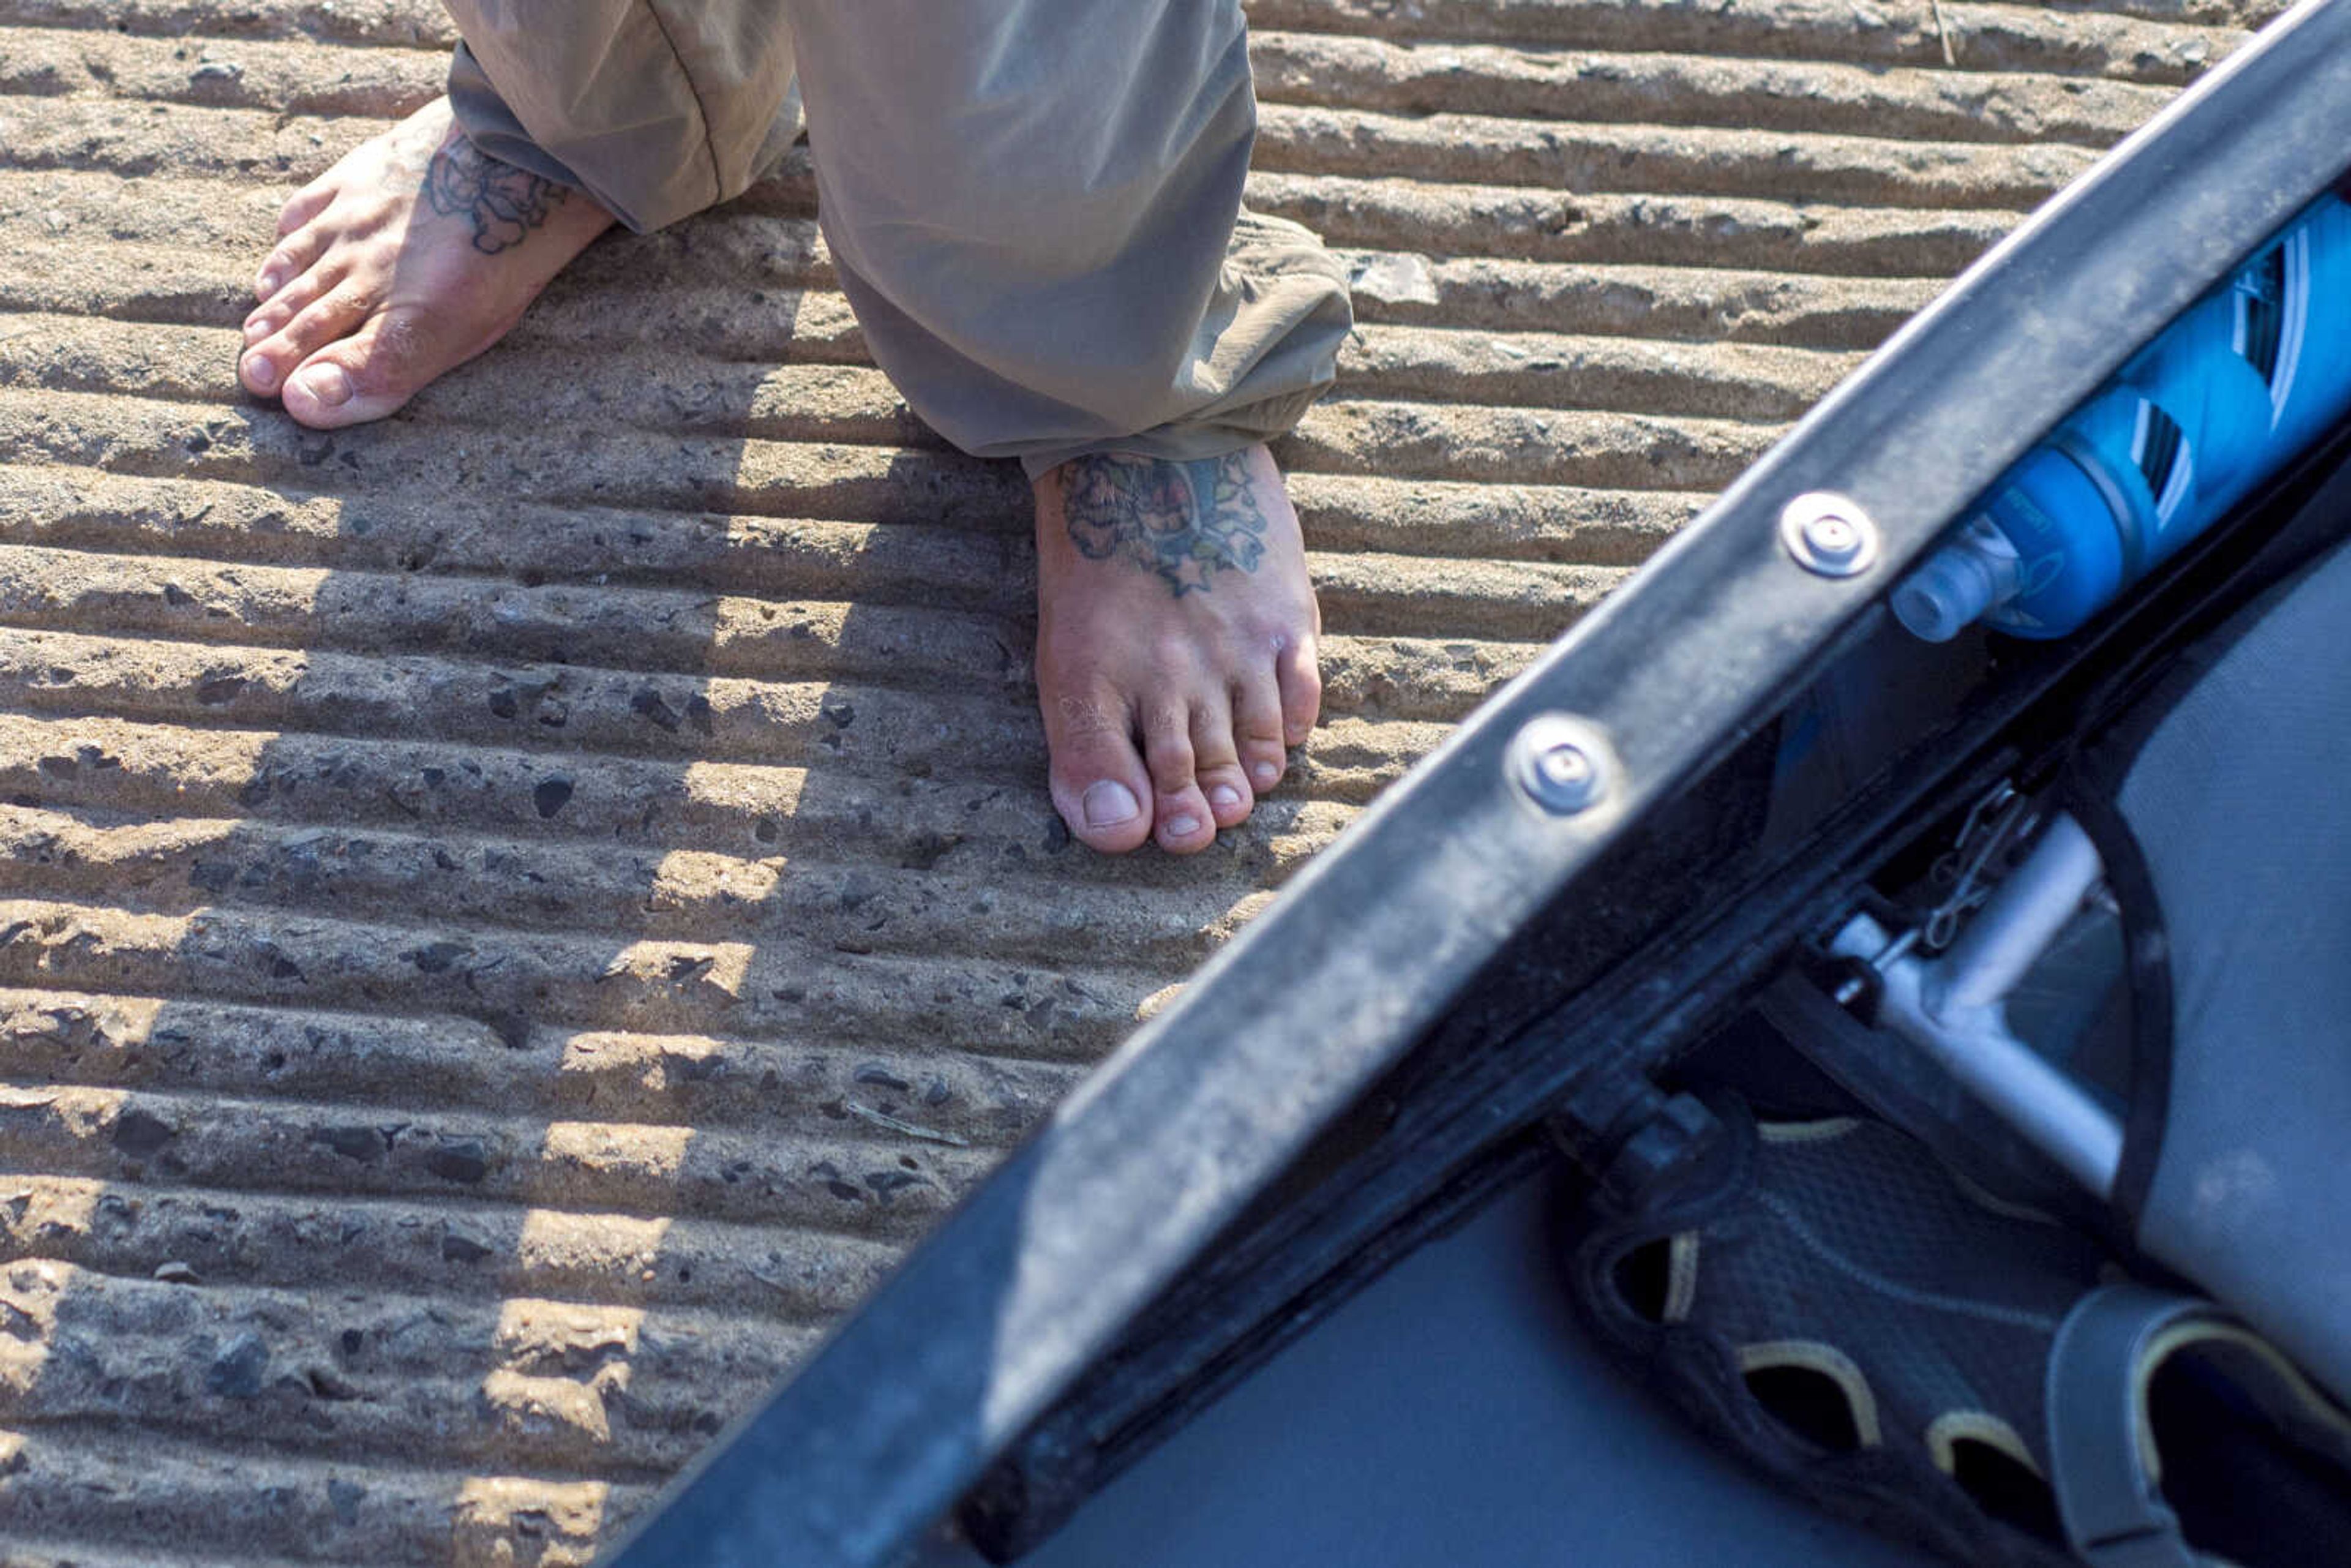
[
  {"x": 1174, "y": 643},
  {"x": 413, "y": 255}
]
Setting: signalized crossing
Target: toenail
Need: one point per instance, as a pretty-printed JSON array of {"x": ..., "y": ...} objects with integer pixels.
[
  {"x": 1224, "y": 796},
  {"x": 259, "y": 371},
  {"x": 328, "y": 383},
  {"x": 1264, "y": 773},
  {"x": 1183, "y": 827},
  {"x": 268, "y": 284},
  {"x": 255, "y": 332},
  {"x": 1109, "y": 803}
]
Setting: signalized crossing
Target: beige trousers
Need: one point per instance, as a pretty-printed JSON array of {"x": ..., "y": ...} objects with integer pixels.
[{"x": 1034, "y": 206}]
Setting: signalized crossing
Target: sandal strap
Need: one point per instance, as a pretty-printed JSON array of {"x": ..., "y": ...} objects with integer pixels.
[{"x": 2113, "y": 1508}]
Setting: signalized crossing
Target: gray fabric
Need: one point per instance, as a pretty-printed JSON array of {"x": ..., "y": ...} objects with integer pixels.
[
  {"x": 2114, "y": 1512},
  {"x": 657, "y": 109},
  {"x": 483, "y": 115},
  {"x": 2239, "y": 804},
  {"x": 1033, "y": 205}
]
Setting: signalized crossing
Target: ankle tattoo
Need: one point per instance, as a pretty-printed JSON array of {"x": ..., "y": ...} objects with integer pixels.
[
  {"x": 1185, "y": 521},
  {"x": 503, "y": 203}
]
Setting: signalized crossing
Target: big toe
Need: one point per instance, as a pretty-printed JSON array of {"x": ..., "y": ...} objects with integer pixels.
[
  {"x": 1110, "y": 813},
  {"x": 365, "y": 376},
  {"x": 1099, "y": 783}
]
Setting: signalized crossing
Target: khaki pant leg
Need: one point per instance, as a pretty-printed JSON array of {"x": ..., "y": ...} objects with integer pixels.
[
  {"x": 655, "y": 107},
  {"x": 1035, "y": 206}
]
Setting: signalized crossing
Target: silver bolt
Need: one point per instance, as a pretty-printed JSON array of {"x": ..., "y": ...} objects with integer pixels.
[
  {"x": 1565, "y": 767},
  {"x": 1562, "y": 763},
  {"x": 1829, "y": 535},
  {"x": 1833, "y": 538}
]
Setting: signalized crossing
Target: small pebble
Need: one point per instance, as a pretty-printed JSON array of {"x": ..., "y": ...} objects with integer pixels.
[
  {"x": 235, "y": 1372},
  {"x": 176, "y": 1273}
]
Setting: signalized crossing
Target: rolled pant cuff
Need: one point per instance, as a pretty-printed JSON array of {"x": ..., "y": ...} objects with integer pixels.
[
  {"x": 484, "y": 118},
  {"x": 625, "y": 118},
  {"x": 1265, "y": 422},
  {"x": 1268, "y": 355}
]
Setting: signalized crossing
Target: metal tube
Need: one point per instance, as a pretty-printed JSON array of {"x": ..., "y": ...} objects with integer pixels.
[
  {"x": 2048, "y": 1110},
  {"x": 2017, "y": 923}
]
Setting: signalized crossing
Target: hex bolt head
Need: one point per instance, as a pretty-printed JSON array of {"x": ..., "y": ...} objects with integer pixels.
[
  {"x": 1829, "y": 535},
  {"x": 1560, "y": 763}
]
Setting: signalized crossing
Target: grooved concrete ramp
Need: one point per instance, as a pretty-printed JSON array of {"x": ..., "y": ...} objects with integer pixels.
[{"x": 511, "y": 919}]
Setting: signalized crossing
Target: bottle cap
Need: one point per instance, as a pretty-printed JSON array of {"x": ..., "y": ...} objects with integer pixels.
[{"x": 1950, "y": 592}]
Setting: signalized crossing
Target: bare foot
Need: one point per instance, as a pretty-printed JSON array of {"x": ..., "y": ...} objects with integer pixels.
[
  {"x": 410, "y": 256},
  {"x": 1174, "y": 643}
]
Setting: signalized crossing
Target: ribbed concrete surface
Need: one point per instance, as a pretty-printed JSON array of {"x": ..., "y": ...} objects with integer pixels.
[{"x": 511, "y": 919}]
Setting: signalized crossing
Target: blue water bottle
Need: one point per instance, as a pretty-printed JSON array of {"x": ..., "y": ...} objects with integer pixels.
[{"x": 2237, "y": 384}]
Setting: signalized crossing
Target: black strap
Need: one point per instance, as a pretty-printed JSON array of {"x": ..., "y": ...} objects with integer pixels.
[{"x": 2089, "y": 795}]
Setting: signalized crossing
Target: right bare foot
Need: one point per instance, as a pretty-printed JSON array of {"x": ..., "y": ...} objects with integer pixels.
[{"x": 410, "y": 256}]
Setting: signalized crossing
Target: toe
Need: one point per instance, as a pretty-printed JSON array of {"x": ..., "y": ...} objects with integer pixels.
[
  {"x": 367, "y": 375},
  {"x": 1300, "y": 682},
  {"x": 272, "y": 314},
  {"x": 1257, "y": 730},
  {"x": 1216, "y": 767},
  {"x": 1187, "y": 826},
  {"x": 293, "y": 257},
  {"x": 1099, "y": 783},
  {"x": 305, "y": 205},
  {"x": 266, "y": 366},
  {"x": 1185, "y": 823}
]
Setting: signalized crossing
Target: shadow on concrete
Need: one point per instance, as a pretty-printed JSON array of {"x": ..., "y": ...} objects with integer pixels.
[{"x": 519, "y": 947}]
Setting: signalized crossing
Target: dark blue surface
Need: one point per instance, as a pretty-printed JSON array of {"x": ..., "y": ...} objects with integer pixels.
[{"x": 1451, "y": 1417}]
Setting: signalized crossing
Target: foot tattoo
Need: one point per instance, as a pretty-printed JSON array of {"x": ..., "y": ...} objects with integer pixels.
[
  {"x": 504, "y": 202},
  {"x": 1185, "y": 521}
]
